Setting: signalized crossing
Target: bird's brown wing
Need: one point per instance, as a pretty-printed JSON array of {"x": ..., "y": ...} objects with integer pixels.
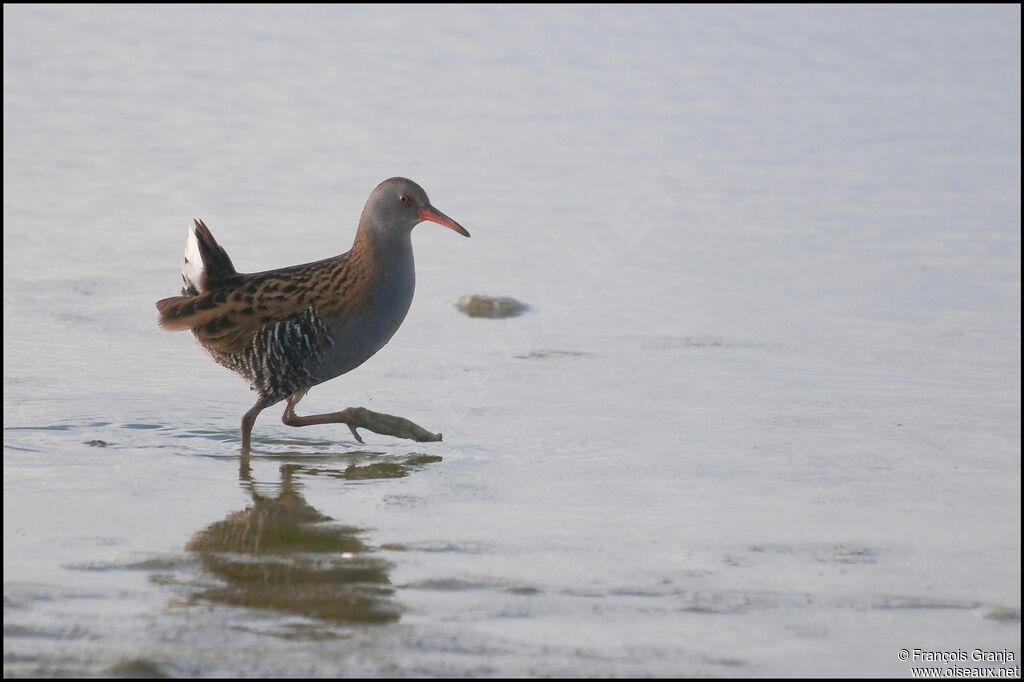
[{"x": 228, "y": 317}]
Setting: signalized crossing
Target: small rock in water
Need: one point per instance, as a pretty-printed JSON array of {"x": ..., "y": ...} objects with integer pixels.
[
  {"x": 1005, "y": 613},
  {"x": 490, "y": 306},
  {"x": 136, "y": 667}
]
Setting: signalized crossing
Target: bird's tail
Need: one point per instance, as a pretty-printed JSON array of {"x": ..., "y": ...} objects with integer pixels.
[{"x": 206, "y": 266}]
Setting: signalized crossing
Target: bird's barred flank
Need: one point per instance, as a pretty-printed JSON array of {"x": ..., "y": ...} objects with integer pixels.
[{"x": 279, "y": 360}]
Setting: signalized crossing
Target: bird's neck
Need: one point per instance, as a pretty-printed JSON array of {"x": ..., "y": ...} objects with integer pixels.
[
  {"x": 386, "y": 256},
  {"x": 383, "y": 243}
]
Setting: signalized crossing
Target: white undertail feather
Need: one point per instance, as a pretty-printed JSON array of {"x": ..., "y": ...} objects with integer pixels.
[{"x": 192, "y": 267}]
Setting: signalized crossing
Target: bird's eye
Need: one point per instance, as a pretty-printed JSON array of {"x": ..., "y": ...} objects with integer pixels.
[{"x": 404, "y": 198}]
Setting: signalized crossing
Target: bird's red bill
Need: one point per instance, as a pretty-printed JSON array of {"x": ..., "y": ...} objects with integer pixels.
[{"x": 433, "y": 215}]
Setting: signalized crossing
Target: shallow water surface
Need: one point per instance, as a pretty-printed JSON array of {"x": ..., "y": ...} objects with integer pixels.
[{"x": 761, "y": 416}]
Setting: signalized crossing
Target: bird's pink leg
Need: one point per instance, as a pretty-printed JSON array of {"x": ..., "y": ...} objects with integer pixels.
[
  {"x": 359, "y": 417},
  {"x": 247, "y": 423}
]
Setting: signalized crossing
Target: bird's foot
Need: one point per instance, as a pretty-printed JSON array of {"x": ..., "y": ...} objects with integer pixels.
[{"x": 386, "y": 424}]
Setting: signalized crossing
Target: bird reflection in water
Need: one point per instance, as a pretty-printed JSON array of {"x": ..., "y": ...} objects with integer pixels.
[{"x": 282, "y": 554}]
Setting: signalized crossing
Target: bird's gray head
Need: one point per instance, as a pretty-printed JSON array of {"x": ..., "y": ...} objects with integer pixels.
[{"x": 398, "y": 205}]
